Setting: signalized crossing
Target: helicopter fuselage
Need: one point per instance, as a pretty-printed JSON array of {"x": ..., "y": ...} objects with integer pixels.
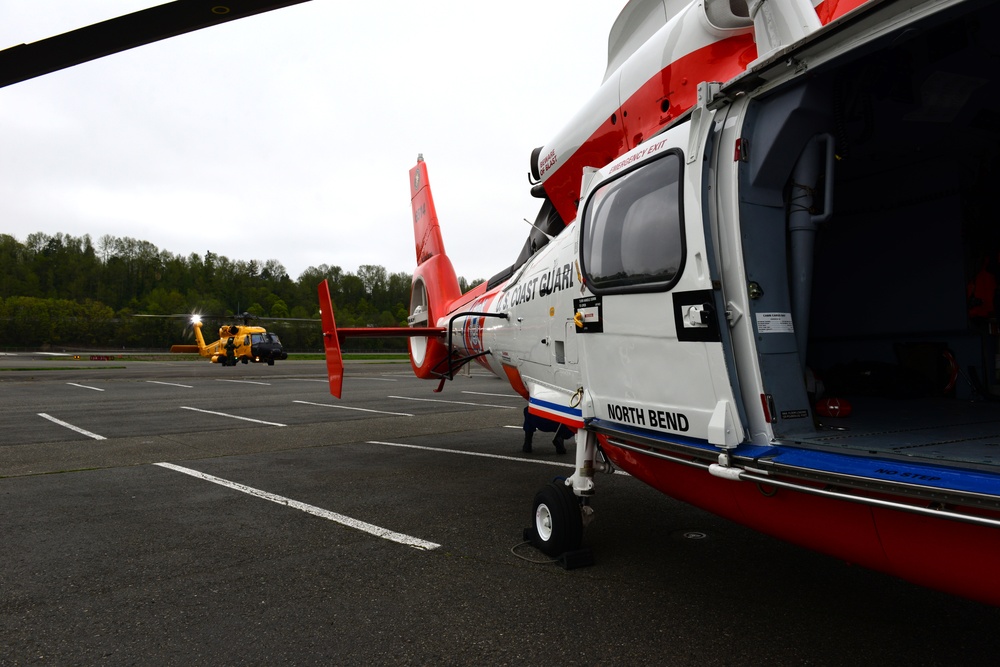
[{"x": 815, "y": 217}]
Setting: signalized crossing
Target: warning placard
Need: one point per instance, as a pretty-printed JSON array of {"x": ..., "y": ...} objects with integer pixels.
[{"x": 774, "y": 323}]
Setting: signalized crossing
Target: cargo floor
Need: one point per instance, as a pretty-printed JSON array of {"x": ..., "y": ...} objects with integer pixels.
[{"x": 936, "y": 431}]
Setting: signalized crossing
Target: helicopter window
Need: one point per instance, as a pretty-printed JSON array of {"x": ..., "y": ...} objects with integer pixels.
[
  {"x": 273, "y": 338},
  {"x": 633, "y": 238},
  {"x": 257, "y": 338}
]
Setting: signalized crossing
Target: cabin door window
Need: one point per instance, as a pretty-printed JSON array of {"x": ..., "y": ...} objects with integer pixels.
[{"x": 633, "y": 239}]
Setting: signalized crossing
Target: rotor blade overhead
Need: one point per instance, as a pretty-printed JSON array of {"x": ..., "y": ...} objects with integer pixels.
[{"x": 26, "y": 61}]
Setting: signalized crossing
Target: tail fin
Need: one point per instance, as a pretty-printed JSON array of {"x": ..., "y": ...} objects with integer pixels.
[
  {"x": 435, "y": 286},
  {"x": 434, "y": 292},
  {"x": 196, "y": 325},
  {"x": 426, "y": 232}
]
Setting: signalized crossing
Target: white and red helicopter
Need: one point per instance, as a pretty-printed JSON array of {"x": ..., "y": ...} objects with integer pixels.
[{"x": 762, "y": 280}]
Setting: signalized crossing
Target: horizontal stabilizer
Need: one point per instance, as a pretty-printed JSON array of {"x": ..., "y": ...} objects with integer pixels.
[{"x": 390, "y": 332}]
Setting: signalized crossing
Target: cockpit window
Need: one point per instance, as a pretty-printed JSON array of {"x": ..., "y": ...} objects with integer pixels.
[
  {"x": 633, "y": 236},
  {"x": 257, "y": 338},
  {"x": 273, "y": 338}
]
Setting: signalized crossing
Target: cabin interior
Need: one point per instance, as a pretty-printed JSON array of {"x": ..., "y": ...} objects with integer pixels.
[{"x": 903, "y": 309}]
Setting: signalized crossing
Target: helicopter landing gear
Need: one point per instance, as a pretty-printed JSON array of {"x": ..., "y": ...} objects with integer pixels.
[
  {"x": 558, "y": 521},
  {"x": 561, "y": 510}
]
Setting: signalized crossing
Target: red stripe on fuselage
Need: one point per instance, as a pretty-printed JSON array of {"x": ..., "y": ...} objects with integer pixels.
[
  {"x": 830, "y": 10},
  {"x": 643, "y": 114}
]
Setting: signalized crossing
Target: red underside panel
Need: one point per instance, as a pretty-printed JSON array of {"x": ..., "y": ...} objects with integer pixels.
[
  {"x": 960, "y": 558},
  {"x": 951, "y": 556}
]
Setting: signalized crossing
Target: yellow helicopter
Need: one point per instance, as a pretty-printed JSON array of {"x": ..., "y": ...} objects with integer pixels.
[{"x": 237, "y": 343}]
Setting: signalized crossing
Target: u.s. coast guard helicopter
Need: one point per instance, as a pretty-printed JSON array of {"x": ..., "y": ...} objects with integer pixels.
[
  {"x": 770, "y": 288},
  {"x": 762, "y": 280}
]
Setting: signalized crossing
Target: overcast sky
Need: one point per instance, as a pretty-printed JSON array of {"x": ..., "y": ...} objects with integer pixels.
[{"x": 289, "y": 135}]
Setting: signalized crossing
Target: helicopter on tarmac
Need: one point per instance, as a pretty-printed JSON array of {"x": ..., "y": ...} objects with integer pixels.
[
  {"x": 237, "y": 343},
  {"x": 763, "y": 280}
]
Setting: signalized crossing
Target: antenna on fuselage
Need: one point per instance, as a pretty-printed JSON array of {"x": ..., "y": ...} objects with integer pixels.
[{"x": 547, "y": 235}]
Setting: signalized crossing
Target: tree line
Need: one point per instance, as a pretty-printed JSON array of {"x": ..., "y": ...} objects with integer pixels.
[{"x": 61, "y": 291}]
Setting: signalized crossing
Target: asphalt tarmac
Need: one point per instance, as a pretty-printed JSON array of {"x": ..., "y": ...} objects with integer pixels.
[{"x": 182, "y": 513}]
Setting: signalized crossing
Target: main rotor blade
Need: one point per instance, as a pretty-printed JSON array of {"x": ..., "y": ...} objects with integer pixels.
[{"x": 26, "y": 61}]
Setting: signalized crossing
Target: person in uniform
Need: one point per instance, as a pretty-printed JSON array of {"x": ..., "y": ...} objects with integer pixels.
[{"x": 534, "y": 423}]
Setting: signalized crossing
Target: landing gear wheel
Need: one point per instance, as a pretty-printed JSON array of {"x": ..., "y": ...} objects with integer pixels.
[{"x": 558, "y": 523}]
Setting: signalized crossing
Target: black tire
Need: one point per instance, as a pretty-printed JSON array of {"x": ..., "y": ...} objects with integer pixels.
[{"x": 556, "y": 520}]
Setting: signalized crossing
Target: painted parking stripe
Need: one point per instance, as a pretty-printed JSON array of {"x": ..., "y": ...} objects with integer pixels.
[
  {"x": 266, "y": 384},
  {"x": 560, "y": 464},
  {"x": 347, "y": 521},
  {"x": 483, "y": 393},
  {"x": 438, "y": 400},
  {"x": 226, "y": 414},
  {"x": 171, "y": 384},
  {"x": 352, "y": 379},
  {"x": 348, "y": 407},
  {"x": 71, "y": 427},
  {"x": 83, "y": 386},
  {"x": 484, "y": 455}
]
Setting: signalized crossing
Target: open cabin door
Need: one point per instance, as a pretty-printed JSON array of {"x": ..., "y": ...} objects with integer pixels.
[{"x": 654, "y": 347}]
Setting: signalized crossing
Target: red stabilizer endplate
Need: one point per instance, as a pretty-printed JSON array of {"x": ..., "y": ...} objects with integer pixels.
[{"x": 331, "y": 343}]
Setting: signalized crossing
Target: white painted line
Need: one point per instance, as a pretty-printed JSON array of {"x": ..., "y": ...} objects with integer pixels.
[
  {"x": 483, "y": 393},
  {"x": 71, "y": 427},
  {"x": 225, "y": 414},
  {"x": 53, "y": 354},
  {"x": 347, "y": 521},
  {"x": 266, "y": 384},
  {"x": 347, "y": 407},
  {"x": 512, "y": 426},
  {"x": 518, "y": 459},
  {"x": 83, "y": 386},
  {"x": 482, "y": 454},
  {"x": 171, "y": 384},
  {"x": 438, "y": 400}
]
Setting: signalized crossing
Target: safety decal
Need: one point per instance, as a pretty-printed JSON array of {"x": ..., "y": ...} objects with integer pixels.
[
  {"x": 587, "y": 314},
  {"x": 768, "y": 323}
]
